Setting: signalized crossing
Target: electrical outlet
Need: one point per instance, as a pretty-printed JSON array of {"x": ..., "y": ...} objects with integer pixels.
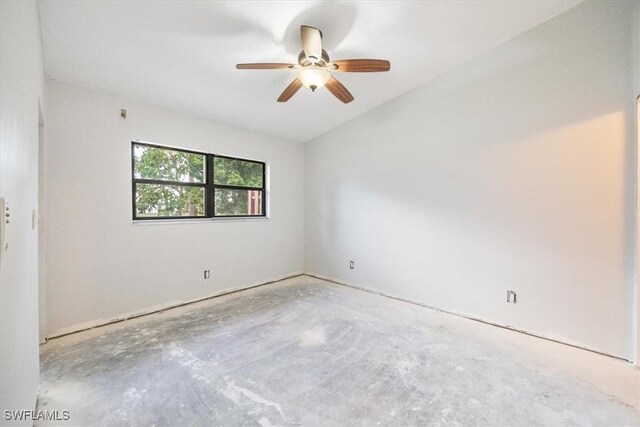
[
  {"x": 512, "y": 296},
  {"x": 352, "y": 265},
  {"x": 207, "y": 274}
]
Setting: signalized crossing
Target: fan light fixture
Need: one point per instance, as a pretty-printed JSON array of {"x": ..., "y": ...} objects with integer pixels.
[{"x": 313, "y": 77}]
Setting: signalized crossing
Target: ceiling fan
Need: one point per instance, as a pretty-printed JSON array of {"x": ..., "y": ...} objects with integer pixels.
[{"x": 315, "y": 67}]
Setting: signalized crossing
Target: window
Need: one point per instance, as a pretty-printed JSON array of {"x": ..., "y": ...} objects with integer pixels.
[
  {"x": 171, "y": 183},
  {"x": 238, "y": 187}
]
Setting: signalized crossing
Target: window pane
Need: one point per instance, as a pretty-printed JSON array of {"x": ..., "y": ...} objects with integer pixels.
[
  {"x": 154, "y": 200},
  {"x": 237, "y": 172},
  {"x": 167, "y": 165},
  {"x": 238, "y": 202}
]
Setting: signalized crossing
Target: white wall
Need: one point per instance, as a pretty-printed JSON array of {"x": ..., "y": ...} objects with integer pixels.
[
  {"x": 99, "y": 264},
  {"x": 21, "y": 82},
  {"x": 636, "y": 93},
  {"x": 636, "y": 47},
  {"x": 513, "y": 171}
]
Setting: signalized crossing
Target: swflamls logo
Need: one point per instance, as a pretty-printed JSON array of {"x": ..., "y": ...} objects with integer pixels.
[{"x": 30, "y": 415}]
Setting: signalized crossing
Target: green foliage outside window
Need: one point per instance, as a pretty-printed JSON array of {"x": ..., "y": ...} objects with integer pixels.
[
  {"x": 168, "y": 165},
  {"x": 169, "y": 200},
  {"x": 238, "y": 173}
]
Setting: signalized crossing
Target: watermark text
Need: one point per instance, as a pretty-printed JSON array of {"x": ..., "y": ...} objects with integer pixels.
[{"x": 40, "y": 415}]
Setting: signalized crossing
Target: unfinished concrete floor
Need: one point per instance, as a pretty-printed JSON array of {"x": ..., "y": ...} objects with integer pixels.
[{"x": 314, "y": 353}]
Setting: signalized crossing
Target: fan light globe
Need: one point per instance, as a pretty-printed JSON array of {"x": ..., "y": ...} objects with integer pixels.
[{"x": 313, "y": 77}]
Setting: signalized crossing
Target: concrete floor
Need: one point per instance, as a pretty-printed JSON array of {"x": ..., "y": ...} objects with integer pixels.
[{"x": 307, "y": 352}]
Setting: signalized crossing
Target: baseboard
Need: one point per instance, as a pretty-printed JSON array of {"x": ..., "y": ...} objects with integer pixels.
[
  {"x": 463, "y": 315},
  {"x": 158, "y": 308}
]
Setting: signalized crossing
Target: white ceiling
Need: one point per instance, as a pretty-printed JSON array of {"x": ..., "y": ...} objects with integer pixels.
[{"x": 182, "y": 54}]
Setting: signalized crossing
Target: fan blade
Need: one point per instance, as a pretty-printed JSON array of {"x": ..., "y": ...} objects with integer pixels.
[
  {"x": 264, "y": 66},
  {"x": 362, "y": 65},
  {"x": 338, "y": 90},
  {"x": 311, "y": 41},
  {"x": 290, "y": 90}
]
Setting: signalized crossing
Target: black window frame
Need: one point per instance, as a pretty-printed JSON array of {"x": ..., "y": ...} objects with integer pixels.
[{"x": 208, "y": 185}]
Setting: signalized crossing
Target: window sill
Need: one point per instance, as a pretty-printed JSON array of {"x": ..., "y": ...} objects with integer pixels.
[{"x": 195, "y": 220}]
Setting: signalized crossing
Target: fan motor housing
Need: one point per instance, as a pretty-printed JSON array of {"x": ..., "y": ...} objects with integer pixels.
[{"x": 321, "y": 62}]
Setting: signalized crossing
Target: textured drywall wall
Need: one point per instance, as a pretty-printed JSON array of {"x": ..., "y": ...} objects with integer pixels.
[
  {"x": 21, "y": 85},
  {"x": 513, "y": 171},
  {"x": 99, "y": 264},
  {"x": 636, "y": 94}
]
